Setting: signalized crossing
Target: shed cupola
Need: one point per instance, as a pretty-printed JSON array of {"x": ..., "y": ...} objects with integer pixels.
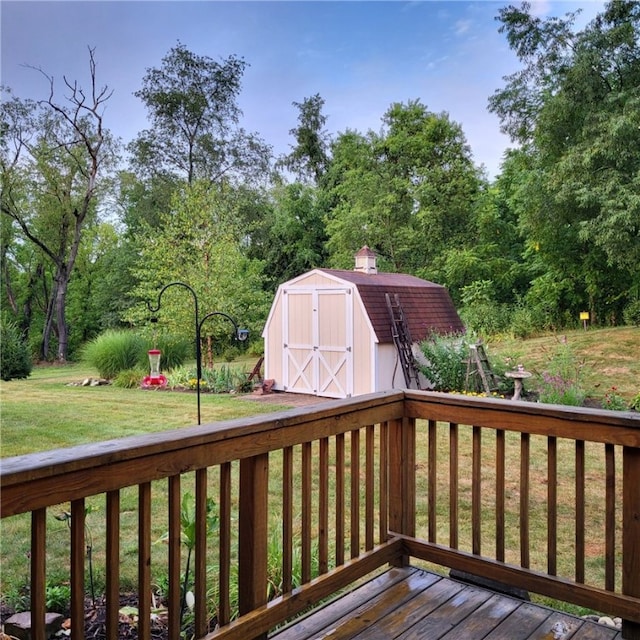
[{"x": 366, "y": 261}]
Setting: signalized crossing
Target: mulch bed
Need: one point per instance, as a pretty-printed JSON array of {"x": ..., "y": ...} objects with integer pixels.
[{"x": 95, "y": 621}]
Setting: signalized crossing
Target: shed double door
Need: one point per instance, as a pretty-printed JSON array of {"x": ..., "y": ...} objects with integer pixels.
[{"x": 318, "y": 342}]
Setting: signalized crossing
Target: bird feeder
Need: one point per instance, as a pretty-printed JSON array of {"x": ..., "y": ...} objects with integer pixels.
[{"x": 155, "y": 378}]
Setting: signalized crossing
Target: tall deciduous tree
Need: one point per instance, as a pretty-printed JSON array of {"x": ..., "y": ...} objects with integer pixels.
[
  {"x": 407, "y": 192},
  {"x": 53, "y": 156},
  {"x": 309, "y": 157},
  {"x": 194, "y": 115},
  {"x": 200, "y": 243},
  {"x": 575, "y": 106}
]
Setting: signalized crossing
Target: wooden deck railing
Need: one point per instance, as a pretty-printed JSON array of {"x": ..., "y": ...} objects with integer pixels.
[{"x": 309, "y": 501}]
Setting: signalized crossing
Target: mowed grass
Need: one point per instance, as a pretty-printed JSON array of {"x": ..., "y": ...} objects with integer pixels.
[{"x": 47, "y": 411}]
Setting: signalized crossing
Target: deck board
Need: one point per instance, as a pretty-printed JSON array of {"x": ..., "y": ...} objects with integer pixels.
[{"x": 413, "y": 604}]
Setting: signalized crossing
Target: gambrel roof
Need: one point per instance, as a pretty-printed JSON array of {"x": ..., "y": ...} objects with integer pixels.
[{"x": 427, "y": 306}]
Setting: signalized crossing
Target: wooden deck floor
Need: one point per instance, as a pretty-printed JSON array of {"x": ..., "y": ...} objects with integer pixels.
[{"x": 412, "y": 604}]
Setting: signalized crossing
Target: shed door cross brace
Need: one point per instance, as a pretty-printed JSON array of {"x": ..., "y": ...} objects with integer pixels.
[{"x": 402, "y": 340}]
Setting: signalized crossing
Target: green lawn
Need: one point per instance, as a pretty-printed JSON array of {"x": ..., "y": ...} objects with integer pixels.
[{"x": 46, "y": 411}]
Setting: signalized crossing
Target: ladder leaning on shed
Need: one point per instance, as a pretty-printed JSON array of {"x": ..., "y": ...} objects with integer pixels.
[{"x": 402, "y": 340}]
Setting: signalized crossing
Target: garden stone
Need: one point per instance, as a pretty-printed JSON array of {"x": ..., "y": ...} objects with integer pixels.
[{"x": 19, "y": 625}]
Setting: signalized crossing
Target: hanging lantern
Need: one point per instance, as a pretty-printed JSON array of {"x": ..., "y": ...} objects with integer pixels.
[{"x": 155, "y": 378}]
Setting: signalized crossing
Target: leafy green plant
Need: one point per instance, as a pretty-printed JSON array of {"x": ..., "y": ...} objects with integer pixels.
[
  {"x": 57, "y": 597},
  {"x": 635, "y": 403},
  {"x": 129, "y": 378},
  {"x": 445, "y": 362},
  {"x": 188, "y": 535},
  {"x": 613, "y": 401},
  {"x": 15, "y": 361},
  {"x": 179, "y": 377}
]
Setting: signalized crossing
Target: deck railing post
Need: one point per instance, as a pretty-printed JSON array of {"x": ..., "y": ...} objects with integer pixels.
[
  {"x": 402, "y": 478},
  {"x": 630, "y": 533},
  {"x": 252, "y": 543}
]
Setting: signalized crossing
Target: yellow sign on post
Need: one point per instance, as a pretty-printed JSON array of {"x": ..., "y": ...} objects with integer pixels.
[{"x": 584, "y": 316}]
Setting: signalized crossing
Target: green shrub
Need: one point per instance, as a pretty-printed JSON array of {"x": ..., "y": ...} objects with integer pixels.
[
  {"x": 446, "y": 362},
  {"x": 15, "y": 361},
  {"x": 486, "y": 318},
  {"x": 635, "y": 403},
  {"x": 631, "y": 313},
  {"x": 114, "y": 351}
]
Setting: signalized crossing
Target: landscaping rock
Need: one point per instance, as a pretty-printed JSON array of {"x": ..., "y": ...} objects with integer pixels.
[{"x": 19, "y": 624}]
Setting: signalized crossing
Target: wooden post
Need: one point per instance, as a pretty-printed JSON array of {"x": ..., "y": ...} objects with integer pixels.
[
  {"x": 402, "y": 480},
  {"x": 252, "y": 544},
  {"x": 631, "y": 533}
]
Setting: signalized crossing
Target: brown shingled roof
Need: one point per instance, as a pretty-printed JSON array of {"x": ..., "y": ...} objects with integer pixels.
[{"x": 427, "y": 306}]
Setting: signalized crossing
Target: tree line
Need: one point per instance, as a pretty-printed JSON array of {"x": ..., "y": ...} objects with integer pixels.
[{"x": 88, "y": 238}]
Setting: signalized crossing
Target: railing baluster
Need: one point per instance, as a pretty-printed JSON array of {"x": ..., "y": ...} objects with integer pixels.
[
  {"x": 454, "y": 475},
  {"x": 323, "y": 508},
  {"x": 552, "y": 505},
  {"x": 175, "y": 601},
  {"x": 224, "y": 551},
  {"x": 287, "y": 519},
  {"x": 476, "y": 491},
  {"x": 500, "y": 494},
  {"x": 384, "y": 482},
  {"x": 113, "y": 564},
  {"x": 200, "y": 568},
  {"x": 432, "y": 478},
  {"x": 144, "y": 561},
  {"x": 610, "y": 518},
  {"x": 306, "y": 512},
  {"x": 580, "y": 511},
  {"x": 78, "y": 553},
  {"x": 38, "y": 573},
  {"x": 525, "y": 448},
  {"x": 631, "y": 533},
  {"x": 355, "y": 493},
  {"x": 369, "y": 491},
  {"x": 340, "y": 487}
]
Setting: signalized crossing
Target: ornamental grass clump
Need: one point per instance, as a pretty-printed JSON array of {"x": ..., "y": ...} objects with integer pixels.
[{"x": 114, "y": 351}]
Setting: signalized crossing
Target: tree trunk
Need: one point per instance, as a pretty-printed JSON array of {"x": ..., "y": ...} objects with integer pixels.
[
  {"x": 61, "y": 321},
  {"x": 48, "y": 324}
]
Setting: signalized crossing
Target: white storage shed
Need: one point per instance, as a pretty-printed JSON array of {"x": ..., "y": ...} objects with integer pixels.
[{"x": 329, "y": 331}]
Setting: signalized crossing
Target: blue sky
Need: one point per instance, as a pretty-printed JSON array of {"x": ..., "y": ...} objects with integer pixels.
[{"x": 359, "y": 56}]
